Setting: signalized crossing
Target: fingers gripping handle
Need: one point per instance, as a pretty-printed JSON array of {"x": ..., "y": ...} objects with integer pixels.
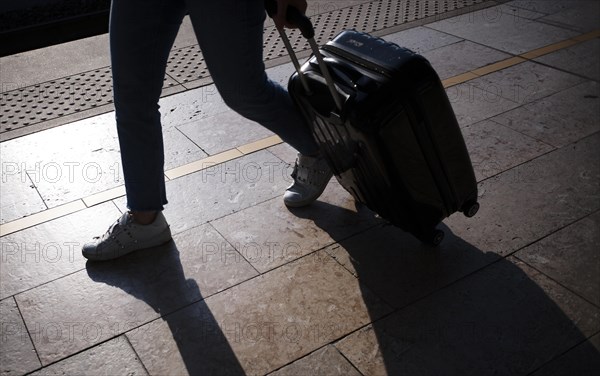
[{"x": 295, "y": 17}]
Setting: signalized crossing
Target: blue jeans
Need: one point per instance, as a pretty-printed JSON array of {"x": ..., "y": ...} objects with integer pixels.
[{"x": 230, "y": 36}]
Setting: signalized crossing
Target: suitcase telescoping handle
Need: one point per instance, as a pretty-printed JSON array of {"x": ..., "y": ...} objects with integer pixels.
[{"x": 295, "y": 17}]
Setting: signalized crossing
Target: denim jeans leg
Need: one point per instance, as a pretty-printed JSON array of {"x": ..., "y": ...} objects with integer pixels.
[
  {"x": 141, "y": 35},
  {"x": 230, "y": 33}
]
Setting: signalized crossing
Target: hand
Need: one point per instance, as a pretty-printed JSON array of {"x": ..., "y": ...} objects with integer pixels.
[{"x": 279, "y": 18}]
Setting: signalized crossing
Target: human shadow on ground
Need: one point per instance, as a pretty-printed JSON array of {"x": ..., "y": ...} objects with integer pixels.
[
  {"x": 456, "y": 309},
  {"x": 156, "y": 276}
]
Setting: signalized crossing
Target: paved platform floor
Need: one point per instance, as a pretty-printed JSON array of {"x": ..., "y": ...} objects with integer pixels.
[{"x": 248, "y": 286}]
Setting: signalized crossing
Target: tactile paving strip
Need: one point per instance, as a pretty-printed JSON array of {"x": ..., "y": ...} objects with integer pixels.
[
  {"x": 53, "y": 99},
  {"x": 74, "y": 94}
]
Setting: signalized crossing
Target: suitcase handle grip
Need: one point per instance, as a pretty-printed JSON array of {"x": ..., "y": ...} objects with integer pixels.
[
  {"x": 293, "y": 16},
  {"x": 306, "y": 28}
]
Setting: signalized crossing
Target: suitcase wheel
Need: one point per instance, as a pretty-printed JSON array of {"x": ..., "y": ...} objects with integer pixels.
[
  {"x": 470, "y": 209},
  {"x": 436, "y": 237}
]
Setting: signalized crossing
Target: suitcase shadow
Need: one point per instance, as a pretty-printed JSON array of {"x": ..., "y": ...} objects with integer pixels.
[
  {"x": 455, "y": 309},
  {"x": 156, "y": 276}
]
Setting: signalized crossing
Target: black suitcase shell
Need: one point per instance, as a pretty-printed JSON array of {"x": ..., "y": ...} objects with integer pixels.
[{"x": 395, "y": 144}]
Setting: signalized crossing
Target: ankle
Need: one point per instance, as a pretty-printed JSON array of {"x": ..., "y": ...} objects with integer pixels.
[{"x": 144, "y": 217}]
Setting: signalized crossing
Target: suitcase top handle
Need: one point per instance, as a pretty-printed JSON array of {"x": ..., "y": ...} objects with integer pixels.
[{"x": 295, "y": 17}]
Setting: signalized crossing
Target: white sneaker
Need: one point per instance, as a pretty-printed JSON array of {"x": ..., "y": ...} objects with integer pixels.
[
  {"x": 125, "y": 236},
  {"x": 311, "y": 175}
]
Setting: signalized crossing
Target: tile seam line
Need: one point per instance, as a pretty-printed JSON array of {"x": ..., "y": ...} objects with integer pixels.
[
  {"x": 590, "y": 34},
  {"x": 348, "y": 360},
  {"x": 310, "y": 353},
  {"x": 139, "y": 358},
  {"x": 27, "y": 329},
  {"x": 233, "y": 247},
  {"x": 514, "y": 254},
  {"x": 500, "y": 125},
  {"x": 359, "y": 233},
  {"x": 553, "y": 279},
  {"x": 557, "y": 356},
  {"x": 537, "y": 156}
]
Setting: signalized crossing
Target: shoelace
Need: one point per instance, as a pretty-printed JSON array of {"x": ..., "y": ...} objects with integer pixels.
[{"x": 113, "y": 230}]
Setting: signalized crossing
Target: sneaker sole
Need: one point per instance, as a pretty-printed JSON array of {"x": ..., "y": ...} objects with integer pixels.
[{"x": 299, "y": 204}]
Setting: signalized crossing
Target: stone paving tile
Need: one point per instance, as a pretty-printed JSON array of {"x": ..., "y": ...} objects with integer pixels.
[
  {"x": 570, "y": 256},
  {"x": 50, "y": 250},
  {"x": 421, "y": 39},
  {"x": 191, "y": 105},
  {"x": 581, "y": 16},
  {"x": 270, "y": 235},
  {"x": 191, "y": 342},
  {"x": 115, "y": 357},
  {"x": 580, "y": 59},
  {"x": 281, "y": 73},
  {"x": 222, "y": 189},
  {"x": 323, "y": 362},
  {"x": 284, "y": 152},
  {"x": 74, "y": 313},
  {"x": 466, "y": 56},
  {"x": 582, "y": 360},
  {"x": 260, "y": 325},
  {"x": 18, "y": 355},
  {"x": 532, "y": 200},
  {"x": 223, "y": 131},
  {"x": 110, "y": 298},
  {"x": 559, "y": 119},
  {"x": 72, "y": 161},
  {"x": 546, "y": 6},
  {"x": 179, "y": 150},
  {"x": 504, "y": 319},
  {"x": 508, "y": 9},
  {"x": 526, "y": 82},
  {"x": 495, "y": 148},
  {"x": 507, "y": 32},
  {"x": 472, "y": 104},
  {"x": 400, "y": 269},
  {"x": 81, "y": 158},
  {"x": 19, "y": 196},
  {"x": 185, "y": 36}
]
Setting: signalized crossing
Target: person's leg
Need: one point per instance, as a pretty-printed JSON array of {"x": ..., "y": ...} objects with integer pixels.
[
  {"x": 230, "y": 34},
  {"x": 141, "y": 35}
]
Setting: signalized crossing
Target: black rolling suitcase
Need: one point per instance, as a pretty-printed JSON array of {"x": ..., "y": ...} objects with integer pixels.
[{"x": 384, "y": 122}]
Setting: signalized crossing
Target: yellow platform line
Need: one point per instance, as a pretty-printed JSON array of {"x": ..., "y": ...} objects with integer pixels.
[
  {"x": 240, "y": 151},
  {"x": 196, "y": 166},
  {"x": 259, "y": 145},
  {"x": 44, "y": 216}
]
